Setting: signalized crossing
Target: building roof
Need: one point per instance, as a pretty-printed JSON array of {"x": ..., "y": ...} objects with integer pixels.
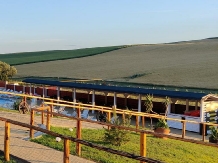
[{"x": 119, "y": 89}]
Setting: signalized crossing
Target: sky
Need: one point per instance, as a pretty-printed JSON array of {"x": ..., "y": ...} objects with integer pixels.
[{"x": 38, "y": 25}]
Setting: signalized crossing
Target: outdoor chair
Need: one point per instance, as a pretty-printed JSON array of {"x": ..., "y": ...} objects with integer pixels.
[
  {"x": 33, "y": 103},
  {"x": 113, "y": 119},
  {"x": 74, "y": 114},
  {"x": 55, "y": 109},
  {"x": 62, "y": 110},
  {"x": 85, "y": 114}
]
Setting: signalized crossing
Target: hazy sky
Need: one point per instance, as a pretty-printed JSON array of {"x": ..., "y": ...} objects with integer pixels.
[{"x": 34, "y": 25}]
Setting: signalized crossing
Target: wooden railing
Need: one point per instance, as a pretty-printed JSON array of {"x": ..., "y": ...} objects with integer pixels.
[
  {"x": 67, "y": 139},
  {"x": 109, "y": 110},
  {"x": 143, "y": 133},
  {"x": 48, "y": 111}
]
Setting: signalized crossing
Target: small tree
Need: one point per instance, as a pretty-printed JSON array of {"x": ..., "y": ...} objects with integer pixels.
[
  {"x": 117, "y": 136},
  {"x": 6, "y": 71}
]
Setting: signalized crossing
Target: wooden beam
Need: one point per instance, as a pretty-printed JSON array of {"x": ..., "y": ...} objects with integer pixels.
[
  {"x": 196, "y": 105},
  {"x": 42, "y": 114},
  {"x": 32, "y": 123},
  {"x": 109, "y": 119},
  {"x": 48, "y": 118},
  {"x": 203, "y": 132},
  {"x": 142, "y": 145},
  {"x": 78, "y": 133},
  {"x": 137, "y": 122},
  {"x": 183, "y": 129},
  {"x": 7, "y": 141},
  {"x": 66, "y": 151},
  {"x": 143, "y": 122}
]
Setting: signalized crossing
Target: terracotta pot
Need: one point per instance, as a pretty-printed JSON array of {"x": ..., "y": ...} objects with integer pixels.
[
  {"x": 211, "y": 140},
  {"x": 165, "y": 131}
]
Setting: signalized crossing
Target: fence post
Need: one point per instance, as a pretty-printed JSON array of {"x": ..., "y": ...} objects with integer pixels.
[
  {"x": 52, "y": 108},
  {"x": 78, "y": 133},
  {"x": 42, "y": 113},
  {"x": 48, "y": 118},
  {"x": 109, "y": 119},
  {"x": 24, "y": 99},
  {"x": 7, "y": 141},
  {"x": 31, "y": 123},
  {"x": 66, "y": 151},
  {"x": 143, "y": 121},
  {"x": 142, "y": 145},
  {"x": 123, "y": 116},
  {"x": 203, "y": 132},
  {"x": 183, "y": 129},
  {"x": 137, "y": 122}
]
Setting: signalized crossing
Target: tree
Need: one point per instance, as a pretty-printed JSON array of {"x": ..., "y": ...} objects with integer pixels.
[{"x": 6, "y": 71}]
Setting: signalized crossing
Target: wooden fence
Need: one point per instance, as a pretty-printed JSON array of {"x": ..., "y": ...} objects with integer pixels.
[
  {"x": 48, "y": 107},
  {"x": 67, "y": 139}
]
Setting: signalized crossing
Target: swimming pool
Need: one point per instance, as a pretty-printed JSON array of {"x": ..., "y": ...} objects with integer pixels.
[{"x": 7, "y": 103}]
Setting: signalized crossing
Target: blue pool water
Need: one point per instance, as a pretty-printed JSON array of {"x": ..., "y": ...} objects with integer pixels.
[{"x": 6, "y": 103}]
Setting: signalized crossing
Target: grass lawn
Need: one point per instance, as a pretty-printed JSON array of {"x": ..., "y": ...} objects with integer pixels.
[
  {"x": 172, "y": 151},
  {"x": 43, "y": 56},
  {"x": 2, "y": 160},
  {"x": 13, "y": 159}
]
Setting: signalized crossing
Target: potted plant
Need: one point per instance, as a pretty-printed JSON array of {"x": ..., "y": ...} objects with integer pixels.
[
  {"x": 213, "y": 135},
  {"x": 161, "y": 127}
]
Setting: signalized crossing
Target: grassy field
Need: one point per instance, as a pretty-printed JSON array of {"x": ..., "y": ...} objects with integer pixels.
[
  {"x": 192, "y": 64},
  {"x": 43, "y": 56},
  {"x": 170, "y": 151}
]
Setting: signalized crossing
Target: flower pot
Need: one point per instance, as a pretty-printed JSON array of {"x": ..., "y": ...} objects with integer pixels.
[
  {"x": 211, "y": 140},
  {"x": 159, "y": 130}
]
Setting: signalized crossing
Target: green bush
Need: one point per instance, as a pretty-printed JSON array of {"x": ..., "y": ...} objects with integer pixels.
[{"x": 116, "y": 136}]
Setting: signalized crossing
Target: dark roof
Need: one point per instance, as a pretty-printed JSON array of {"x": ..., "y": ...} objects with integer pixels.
[{"x": 119, "y": 89}]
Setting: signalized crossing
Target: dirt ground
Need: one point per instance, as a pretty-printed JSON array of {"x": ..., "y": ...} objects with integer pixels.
[{"x": 192, "y": 63}]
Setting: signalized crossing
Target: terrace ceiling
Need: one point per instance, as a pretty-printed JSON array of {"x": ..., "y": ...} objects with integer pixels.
[{"x": 118, "y": 89}]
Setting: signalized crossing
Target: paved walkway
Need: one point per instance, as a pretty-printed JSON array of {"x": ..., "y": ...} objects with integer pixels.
[
  {"x": 33, "y": 152},
  {"x": 37, "y": 153}
]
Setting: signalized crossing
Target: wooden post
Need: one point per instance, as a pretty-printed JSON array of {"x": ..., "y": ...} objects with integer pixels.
[
  {"x": 183, "y": 129},
  {"x": 31, "y": 123},
  {"x": 196, "y": 105},
  {"x": 52, "y": 108},
  {"x": 66, "y": 151},
  {"x": 137, "y": 122},
  {"x": 109, "y": 119},
  {"x": 42, "y": 113},
  {"x": 142, "y": 145},
  {"x": 78, "y": 133},
  {"x": 24, "y": 98},
  {"x": 143, "y": 121},
  {"x": 123, "y": 116},
  {"x": 203, "y": 132},
  {"x": 7, "y": 141},
  {"x": 48, "y": 118}
]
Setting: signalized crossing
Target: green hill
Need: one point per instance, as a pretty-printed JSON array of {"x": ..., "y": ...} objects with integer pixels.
[{"x": 44, "y": 56}]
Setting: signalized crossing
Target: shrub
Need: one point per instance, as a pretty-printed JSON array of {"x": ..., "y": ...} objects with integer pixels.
[{"x": 116, "y": 136}]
